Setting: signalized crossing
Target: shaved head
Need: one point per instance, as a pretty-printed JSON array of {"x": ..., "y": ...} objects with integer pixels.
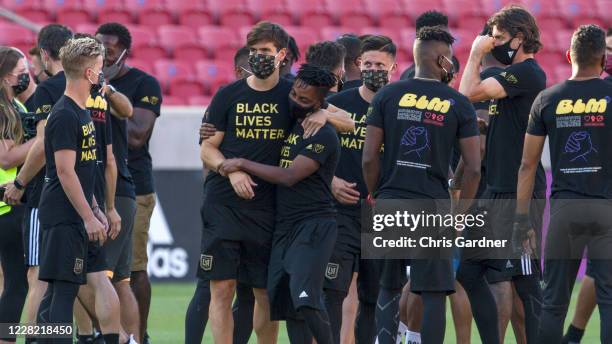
[{"x": 433, "y": 50}]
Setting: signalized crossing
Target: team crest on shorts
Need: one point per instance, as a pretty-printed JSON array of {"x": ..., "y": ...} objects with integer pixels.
[
  {"x": 332, "y": 271},
  {"x": 78, "y": 266},
  {"x": 206, "y": 262}
]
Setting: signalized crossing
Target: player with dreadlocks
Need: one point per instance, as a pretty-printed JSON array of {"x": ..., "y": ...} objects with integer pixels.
[{"x": 306, "y": 228}]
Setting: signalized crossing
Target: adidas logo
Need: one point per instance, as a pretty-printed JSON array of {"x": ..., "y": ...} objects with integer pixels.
[
  {"x": 303, "y": 295},
  {"x": 509, "y": 265}
]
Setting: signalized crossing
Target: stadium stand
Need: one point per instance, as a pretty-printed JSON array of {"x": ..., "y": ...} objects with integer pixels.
[{"x": 178, "y": 40}]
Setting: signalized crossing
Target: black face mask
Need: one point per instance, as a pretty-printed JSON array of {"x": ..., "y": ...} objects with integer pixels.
[
  {"x": 297, "y": 110},
  {"x": 504, "y": 53},
  {"x": 23, "y": 81},
  {"x": 97, "y": 87},
  {"x": 374, "y": 80},
  {"x": 262, "y": 65},
  {"x": 449, "y": 73}
]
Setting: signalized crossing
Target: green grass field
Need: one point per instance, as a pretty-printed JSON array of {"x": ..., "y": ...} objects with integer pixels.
[{"x": 166, "y": 321}]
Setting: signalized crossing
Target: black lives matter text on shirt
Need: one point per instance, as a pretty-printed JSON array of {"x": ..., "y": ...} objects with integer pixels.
[
  {"x": 311, "y": 197},
  {"x": 68, "y": 128},
  {"x": 421, "y": 120},
  {"x": 576, "y": 116},
  {"x": 508, "y": 119},
  {"x": 144, "y": 92},
  {"x": 41, "y": 102},
  {"x": 255, "y": 125},
  {"x": 98, "y": 108},
  {"x": 349, "y": 166}
]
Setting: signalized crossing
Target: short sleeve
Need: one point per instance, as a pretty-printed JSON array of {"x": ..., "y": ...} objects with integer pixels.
[
  {"x": 62, "y": 131},
  {"x": 376, "y": 113},
  {"x": 217, "y": 111},
  {"x": 517, "y": 79},
  {"x": 148, "y": 95},
  {"x": 536, "y": 125},
  {"x": 41, "y": 102},
  {"x": 321, "y": 146},
  {"x": 468, "y": 123}
]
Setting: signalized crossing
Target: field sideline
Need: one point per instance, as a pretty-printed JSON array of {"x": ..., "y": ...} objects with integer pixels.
[{"x": 170, "y": 300}]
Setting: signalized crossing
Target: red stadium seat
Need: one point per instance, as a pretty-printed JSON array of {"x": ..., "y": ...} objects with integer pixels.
[
  {"x": 550, "y": 41},
  {"x": 388, "y": 13},
  {"x": 304, "y": 36},
  {"x": 463, "y": 40},
  {"x": 331, "y": 33},
  {"x": 168, "y": 70},
  {"x": 172, "y": 100},
  {"x": 219, "y": 40},
  {"x": 150, "y": 12},
  {"x": 99, "y": 8},
  {"x": 15, "y": 35},
  {"x": 192, "y": 13},
  {"x": 581, "y": 11},
  {"x": 459, "y": 11},
  {"x": 312, "y": 14},
  {"x": 353, "y": 16},
  {"x": 145, "y": 45},
  {"x": 116, "y": 15},
  {"x": 551, "y": 59},
  {"x": 562, "y": 72},
  {"x": 231, "y": 13},
  {"x": 271, "y": 10},
  {"x": 143, "y": 65},
  {"x": 395, "y": 35},
  {"x": 214, "y": 73},
  {"x": 407, "y": 37},
  {"x": 200, "y": 100},
  {"x": 142, "y": 35},
  {"x": 186, "y": 88},
  {"x": 563, "y": 40},
  {"x": 171, "y": 36},
  {"x": 415, "y": 8},
  {"x": 30, "y": 9},
  {"x": 473, "y": 24},
  {"x": 72, "y": 17},
  {"x": 602, "y": 9},
  {"x": 86, "y": 28},
  {"x": 491, "y": 6}
]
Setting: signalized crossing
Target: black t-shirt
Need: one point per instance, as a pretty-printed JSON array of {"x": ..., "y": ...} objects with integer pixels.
[
  {"x": 41, "y": 102},
  {"x": 408, "y": 73},
  {"x": 351, "y": 143},
  {"x": 98, "y": 109},
  {"x": 576, "y": 116},
  {"x": 125, "y": 183},
  {"x": 421, "y": 120},
  {"x": 508, "y": 119},
  {"x": 144, "y": 92},
  {"x": 68, "y": 128},
  {"x": 311, "y": 197},
  {"x": 351, "y": 84},
  {"x": 255, "y": 125}
]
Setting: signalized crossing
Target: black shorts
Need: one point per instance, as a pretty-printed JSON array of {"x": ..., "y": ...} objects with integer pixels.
[
  {"x": 236, "y": 244},
  {"x": 300, "y": 254},
  {"x": 96, "y": 258},
  {"x": 393, "y": 273},
  {"x": 340, "y": 269},
  {"x": 64, "y": 255},
  {"x": 118, "y": 252},
  {"x": 501, "y": 210},
  {"x": 31, "y": 236},
  {"x": 368, "y": 284},
  {"x": 432, "y": 275}
]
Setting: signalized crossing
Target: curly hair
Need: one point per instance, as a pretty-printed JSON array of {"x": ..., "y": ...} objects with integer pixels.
[
  {"x": 435, "y": 33},
  {"x": 588, "y": 45}
]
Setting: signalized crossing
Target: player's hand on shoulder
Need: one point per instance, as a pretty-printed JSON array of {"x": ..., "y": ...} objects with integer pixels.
[
  {"x": 114, "y": 221},
  {"x": 314, "y": 122},
  {"x": 344, "y": 192},
  {"x": 207, "y": 130},
  {"x": 243, "y": 184}
]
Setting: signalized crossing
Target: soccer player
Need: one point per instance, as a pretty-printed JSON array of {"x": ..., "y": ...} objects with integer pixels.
[
  {"x": 352, "y": 45},
  {"x": 241, "y": 63},
  {"x": 403, "y": 178},
  {"x": 36, "y": 67},
  {"x": 69, "y": 213},
  {"x": 429, "y": 18},
  {"x": 572, "y": 115},
  {"x": 50, "y": 39},
  {"x": 328, "y": 55},
  {"x": 144, "y": 93},
  {"x": 293, "y": 55},
  {"x": 306, "y": 223},
  {"x": 15, "y": 141},
  {"x": 377, "y": 63},
  {"x": 515, "y": 41}
]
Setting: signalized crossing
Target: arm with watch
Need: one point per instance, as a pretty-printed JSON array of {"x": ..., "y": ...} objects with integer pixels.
[{"x": 120, "y": 105}]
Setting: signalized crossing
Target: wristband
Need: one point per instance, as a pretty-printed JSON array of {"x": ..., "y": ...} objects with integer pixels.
[{"x": 18, "y": 185}]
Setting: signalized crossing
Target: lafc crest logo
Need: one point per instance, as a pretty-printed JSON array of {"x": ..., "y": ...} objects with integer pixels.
[
  {"x": 206, "y": 262},
  {"x": 78, "y": 266},
  {"x": 151, "y": 100},
  {"x": 509, "y": 77},
  {"x": 332, "y": 271},
  {"x": 316, "y": 147}
]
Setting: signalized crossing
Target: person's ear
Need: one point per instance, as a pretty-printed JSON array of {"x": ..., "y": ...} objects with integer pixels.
[
  {"x": 568, "y": 56},
  {"x": 282, "y": 54},
  {"x": 516, "y": 43},
  {"x": 358, "y": 62}
]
